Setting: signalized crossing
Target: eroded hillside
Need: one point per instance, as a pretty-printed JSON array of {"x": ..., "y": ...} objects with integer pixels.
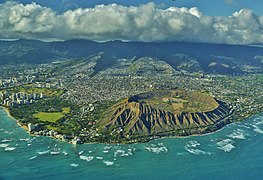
[{"x": 157, "y": 112}]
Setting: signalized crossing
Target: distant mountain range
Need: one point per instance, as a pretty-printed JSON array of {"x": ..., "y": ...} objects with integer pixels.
[{"x": 185, "y": 56}]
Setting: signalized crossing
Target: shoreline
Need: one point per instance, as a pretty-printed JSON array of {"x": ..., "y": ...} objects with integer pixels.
[
  {"x": 6, "y": 109},
  {"x": 9, "y": 115},
  {"x": 161, "y": 137}
]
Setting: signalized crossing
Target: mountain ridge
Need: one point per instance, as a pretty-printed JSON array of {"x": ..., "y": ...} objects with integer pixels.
[{"x": 187, "y": 56}]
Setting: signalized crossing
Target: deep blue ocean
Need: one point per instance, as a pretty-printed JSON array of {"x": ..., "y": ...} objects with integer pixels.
[{"x": 235, "y": 152}]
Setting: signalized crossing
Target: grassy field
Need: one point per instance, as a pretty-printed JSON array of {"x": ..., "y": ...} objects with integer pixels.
[
  {"x": 66, "y": 110},
  {"x": 52, "y": 116}
]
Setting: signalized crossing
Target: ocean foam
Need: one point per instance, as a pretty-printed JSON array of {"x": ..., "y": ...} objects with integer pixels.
[
  {"x": 226, "y": 145},
  {"x": 99, "y": 158},
  {"x": 191, "y": 147},
  {"x": 196, "y": 151},
  {"x": 193, "y": 143},
  {"x": 108, "y": 163},
  {"x": 257, "y": 130},
  {"x": 8, "y": 132},
  {"x": 54, "y": 152},
  {"x": 81, "y": 152},
  {"x": 25, "y": 139},
  {"x": 4, "y": 145},
  {"x": 74, "y": 165},
  {"x": 119, "y": 152},
  {"x": 159, "y": 148},
  {"x": 107, "y": 148},
  {"x": 243, "y": 126},
  {"x": 6, "y": 140},
  {"x": 43, "y": 152},
  {"x": 10, "y": 149},
  {"x": 238, "y": 134},
  {"x": 34, "y": 157},
  {"x": 259, "y": 123},
  {"x": 86, "y": 158}
]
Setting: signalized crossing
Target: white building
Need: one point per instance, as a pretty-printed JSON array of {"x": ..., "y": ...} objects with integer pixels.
[{"x": 31, "y": 127}]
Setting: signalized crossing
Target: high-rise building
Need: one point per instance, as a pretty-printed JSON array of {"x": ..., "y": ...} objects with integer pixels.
[{"x": 31, "y": 127}]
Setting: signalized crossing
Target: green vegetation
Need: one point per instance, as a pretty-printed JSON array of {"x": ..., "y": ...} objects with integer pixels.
[
  {"x": 50, "y": 117},
  {"x": 17, "y": 50},
  {"x": 66, "y": 110}
]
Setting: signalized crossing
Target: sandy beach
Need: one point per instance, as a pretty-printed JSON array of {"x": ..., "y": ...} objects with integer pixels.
[
  {"x": 9, "y": 115},
  {"x": 7, "y": 111}
]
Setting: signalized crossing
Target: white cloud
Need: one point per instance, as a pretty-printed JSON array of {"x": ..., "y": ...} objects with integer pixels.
[
  {"x": 230, "y": 2},
  {"x": 143, "y": 23}
]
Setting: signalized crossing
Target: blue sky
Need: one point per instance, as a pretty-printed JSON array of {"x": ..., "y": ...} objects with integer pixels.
[{"x": 209, "y": 7}]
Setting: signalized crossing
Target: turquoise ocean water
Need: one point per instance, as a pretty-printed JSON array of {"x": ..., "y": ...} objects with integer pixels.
[{"x": 235, "y": 152}]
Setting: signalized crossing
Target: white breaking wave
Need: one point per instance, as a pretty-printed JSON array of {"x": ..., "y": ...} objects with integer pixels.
[
  {"x": 193, "y": 143},
  {"x": 191, "y": 147},
  {"x": 238, "y": 134},
  {"x": 74, "y": 165},
  {"x": 32, "y": 157},
  {"x": 10, "y": 149},
  {"x": 159, "y": 148},
  {"x": 6, "y": 140},
  {"x": 243, "y": 126},
  {"x": 25, "y": 139},
  {"x": 107, "y": 148},
  {"x": 86, "y": 158},
  {"x": 43, "y": 152},
  {"x": 4, "y": 145},
  {"x": 81, "y": 152},
  {"x": 196, "y": 151},
  {"x": 122, "y": 153},
  {"x": 7, "y": 132},
  {"x": 54, "y": 152},
  {"x": 257, "y": 129},
  {"x": 259, "y": 123},
  {"x": 226, "y": 145},
  {"x": 108, "y": 163}
]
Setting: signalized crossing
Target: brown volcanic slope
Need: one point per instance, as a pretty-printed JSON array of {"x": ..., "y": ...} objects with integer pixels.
[{"x": 164, "y": 111}]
